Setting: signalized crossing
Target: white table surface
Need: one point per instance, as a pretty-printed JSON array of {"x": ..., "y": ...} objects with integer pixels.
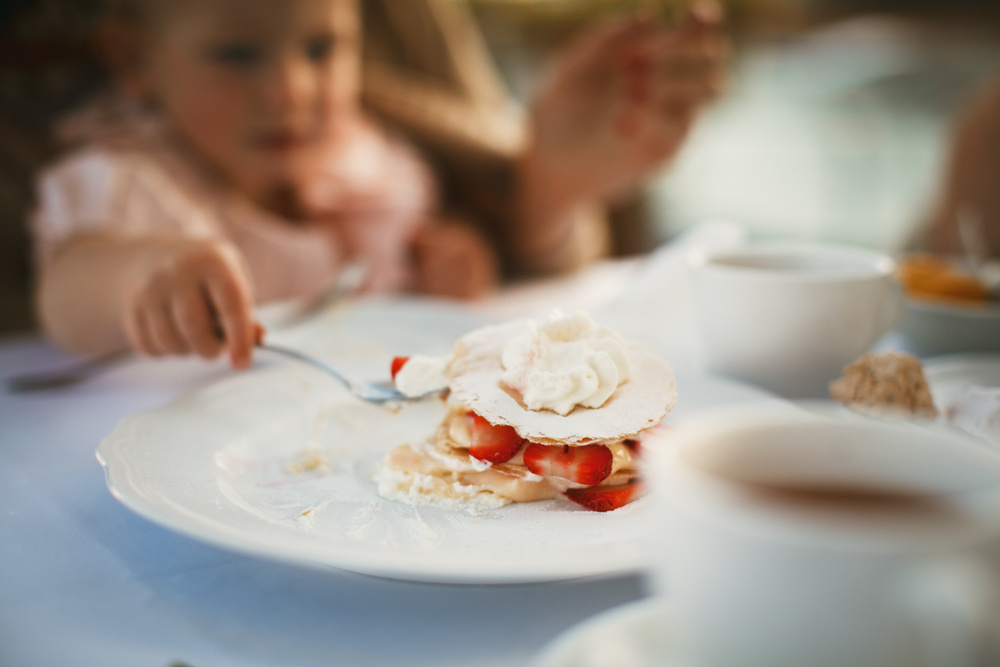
[{"x": 86, "y": 582}]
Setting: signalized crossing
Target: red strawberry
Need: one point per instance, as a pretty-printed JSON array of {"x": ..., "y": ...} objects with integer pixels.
[
  {"x": 606, "y": 498},
  {"x": 495, "y": 444},
  {"x": 588, "y": 464},
  {"x": 633, "y": 444},
  {"x": 397, "y": 363}
]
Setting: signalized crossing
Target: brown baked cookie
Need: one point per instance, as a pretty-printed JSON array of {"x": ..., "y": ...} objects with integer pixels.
[{"x": 888, "y": 382}]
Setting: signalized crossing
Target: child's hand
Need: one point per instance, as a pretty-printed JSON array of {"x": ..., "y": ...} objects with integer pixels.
[
  {"x": 453, "y": 260},
  {"x": 620, "y": 101},
  {"x": 194, "y": 296}
]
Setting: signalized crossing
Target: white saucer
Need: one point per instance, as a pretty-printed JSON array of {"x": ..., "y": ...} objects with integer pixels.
[{"x": 637, "y": 634}]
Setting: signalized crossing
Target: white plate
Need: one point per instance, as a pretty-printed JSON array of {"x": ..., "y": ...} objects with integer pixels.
[
  {"x": 229, "y": 464},
  {"x": 637, "y": 634},
  {"x": 932, "y": 329}
]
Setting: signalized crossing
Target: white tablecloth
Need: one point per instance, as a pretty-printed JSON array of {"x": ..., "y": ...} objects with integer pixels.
[{"x": 85, "y": 582}]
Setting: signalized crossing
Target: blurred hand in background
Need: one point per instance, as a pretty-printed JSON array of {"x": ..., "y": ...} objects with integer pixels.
[
  {"x": 615, "y": 106},
  {"x": 619, "y": 101}
]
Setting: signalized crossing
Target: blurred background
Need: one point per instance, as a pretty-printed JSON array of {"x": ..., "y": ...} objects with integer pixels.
[{"x": 833, "y": 127}]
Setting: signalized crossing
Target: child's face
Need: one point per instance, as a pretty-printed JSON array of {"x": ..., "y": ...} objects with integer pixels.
[{"x": 255, "y": 86}]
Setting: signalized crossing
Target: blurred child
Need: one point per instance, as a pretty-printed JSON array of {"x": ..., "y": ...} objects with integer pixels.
[{"x": 238, "y": 168}]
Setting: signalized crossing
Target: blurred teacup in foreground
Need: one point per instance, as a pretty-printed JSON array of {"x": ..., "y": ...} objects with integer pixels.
[
  {"x": 788, "y": 317},
  {"x": 791, "y": 538}
]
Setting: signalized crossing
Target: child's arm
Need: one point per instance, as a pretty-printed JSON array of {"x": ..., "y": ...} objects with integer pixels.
[
  {"x": 617, "y": 104},
  {"x": 159, "y": 295}
]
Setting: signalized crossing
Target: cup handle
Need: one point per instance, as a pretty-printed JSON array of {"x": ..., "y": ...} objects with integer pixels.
[{"x": 954, "y": 605}]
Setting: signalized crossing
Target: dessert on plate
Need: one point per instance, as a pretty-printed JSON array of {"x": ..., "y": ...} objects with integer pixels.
[{"x": 535, "y": 410}]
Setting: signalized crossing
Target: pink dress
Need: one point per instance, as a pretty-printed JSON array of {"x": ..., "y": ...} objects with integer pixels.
[{"x": 128, "y": 180}]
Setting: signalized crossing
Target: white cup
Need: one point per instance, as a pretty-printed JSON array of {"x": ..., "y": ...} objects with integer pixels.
[
  {"x": 791, "y": 539},
  {"x": 789, "y": 316}
]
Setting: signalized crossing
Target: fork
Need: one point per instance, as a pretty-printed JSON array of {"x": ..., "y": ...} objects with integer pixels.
[
  {"x": 348, "y": 282},
  {"x": 373, "y": 392},
  {"x": 66, "y": 376}
]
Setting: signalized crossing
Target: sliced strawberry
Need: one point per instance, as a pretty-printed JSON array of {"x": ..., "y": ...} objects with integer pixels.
[
  {"x": 495, "y": 444},
  {"x": 633, "y": 444},
  {"x": 606, "y": 498},
  {"x": 588, "y": 464},
  {"x": 397, "y": 363}
]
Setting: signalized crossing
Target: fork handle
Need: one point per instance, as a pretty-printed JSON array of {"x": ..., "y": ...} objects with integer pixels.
[{"x": 66, "y": 376}]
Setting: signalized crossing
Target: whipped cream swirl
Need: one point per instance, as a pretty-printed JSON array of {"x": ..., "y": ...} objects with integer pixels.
[{"x": 563, "y": 362}]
